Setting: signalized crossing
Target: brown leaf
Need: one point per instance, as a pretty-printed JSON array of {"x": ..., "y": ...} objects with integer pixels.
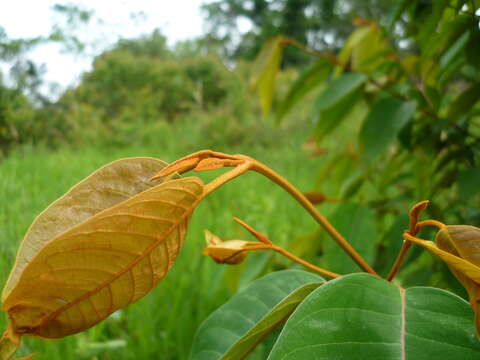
[{"x": 99, "y": 248}]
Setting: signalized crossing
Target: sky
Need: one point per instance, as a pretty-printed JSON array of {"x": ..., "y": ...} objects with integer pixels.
[{"x": 177, "y": 20}]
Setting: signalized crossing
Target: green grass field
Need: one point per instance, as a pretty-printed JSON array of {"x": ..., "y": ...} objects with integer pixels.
[{"x": 162, "y": 325}]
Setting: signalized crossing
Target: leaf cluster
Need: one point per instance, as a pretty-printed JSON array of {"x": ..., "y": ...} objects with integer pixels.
[{"x": 395, "y": 116}]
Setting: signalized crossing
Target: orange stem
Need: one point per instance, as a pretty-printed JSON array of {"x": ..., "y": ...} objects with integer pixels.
[
  {"x": 305, "y": 263},
  {"x": 307, "y": 205}
]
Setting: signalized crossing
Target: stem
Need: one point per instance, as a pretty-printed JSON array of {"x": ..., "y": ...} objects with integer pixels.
[
  {"x": 247, "y": 164},
  {"x": 226, "y": 177},
  {"x": 398, "y": 262},
  {"x": 434, "y": 223},
  {"x": 305, "y": 263},
  {"x": 307, "y": 205},
  {"x": 266, "y": 243},
  {"x": 413, "y": 228}
]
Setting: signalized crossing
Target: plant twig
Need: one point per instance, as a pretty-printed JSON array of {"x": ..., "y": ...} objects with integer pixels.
[
  {"x": 302, "y": 262},
  {"x": 430, "y": 222},
  {"x": 307, "y": 205},
  {"x": 267, "y": 244},
  {"x": 242, "y": 164},
  {"x": 413, "y": 229}
]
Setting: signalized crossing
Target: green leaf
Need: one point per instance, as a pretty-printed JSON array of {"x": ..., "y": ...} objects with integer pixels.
[
  {"x": 464, "y": 102},
  {"x": 449, "y": 33},
  {"x": 307, "y": 81},
  {"x": 356, "y": 223},
  {"x": 241, "y": 323},
  {"x": 336, "y": 101},
  {"x": 468, "y": 183},
  {"x": 265, "y": 70},
  {"x": 355, "y": 38},
  {"x": 387, "y": 117},
  {"x": 430, "y": 24},
  {"x": 398, "y": 10},
  {"x": 455, "y": 50},
  {"x": 367, "y": 51},
  {"x": 269, "y": 322},
  {"x": 362, "y": 317}
]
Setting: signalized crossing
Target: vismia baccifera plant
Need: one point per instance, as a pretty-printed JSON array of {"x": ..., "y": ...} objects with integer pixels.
[{"x": 114, "y": 236}]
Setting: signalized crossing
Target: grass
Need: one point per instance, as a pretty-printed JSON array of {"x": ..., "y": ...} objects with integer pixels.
[{"x": 162, "y": 324}]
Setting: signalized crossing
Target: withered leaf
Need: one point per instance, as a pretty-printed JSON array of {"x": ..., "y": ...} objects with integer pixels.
[{"x": 99, "y": 248}]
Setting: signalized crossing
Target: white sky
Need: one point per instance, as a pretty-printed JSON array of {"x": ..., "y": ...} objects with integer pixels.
[{"x": 176, "y": 19}]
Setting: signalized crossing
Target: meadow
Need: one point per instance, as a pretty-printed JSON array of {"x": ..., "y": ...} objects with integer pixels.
[{"x": 162, "y": 325}]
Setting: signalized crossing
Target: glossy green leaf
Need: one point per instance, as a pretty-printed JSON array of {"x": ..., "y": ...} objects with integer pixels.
[
  {"x": 362, "y": 317},
  {"x": 356, "y": 223},
  {"x": 269, "y": 322},
  {"x": 336, "y": 101},
  {"x": 306, "y": 82},
  {"x": 236, "y": 327},
  {"x": 387, "y": 117}
]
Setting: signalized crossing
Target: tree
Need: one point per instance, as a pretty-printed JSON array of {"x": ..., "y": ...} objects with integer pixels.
[{"x": 322, "y": 24}]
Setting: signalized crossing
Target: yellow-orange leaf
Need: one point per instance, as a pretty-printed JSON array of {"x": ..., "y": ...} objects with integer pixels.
[
  {"x": 231, "y": 252},
  {"x": 102, "y": 246},
  {"x": 459, "y": 247}
]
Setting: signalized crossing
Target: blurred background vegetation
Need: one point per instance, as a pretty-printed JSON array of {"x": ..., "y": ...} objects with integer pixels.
[{"x": 370, "y": 106}]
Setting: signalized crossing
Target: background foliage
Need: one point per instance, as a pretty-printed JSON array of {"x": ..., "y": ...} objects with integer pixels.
[{"x": 373, "y": 105}]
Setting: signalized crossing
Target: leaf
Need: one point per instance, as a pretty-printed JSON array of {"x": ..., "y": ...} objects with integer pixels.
[
  {"x": 459, "y": 265},
  {"x": 265, "y": 70},
  {"x": 106, "y": 187},
  {"x": 387, "y": 117},
  {"x": 459, "y": 247},
  {"x": 225, "y": 252},
  {"x": 430, "y": 24},
  {"x": 102, "y": 246},
  {"x": 464, "y": 102},
  {"x": 234, "y": 329},
  {"x": 454, "y": 51},
  {"x": 449, "y": 33},
  {"x": 355, "y": 38},
  {"x": 371, "y": 52},
  {"x": 336, "y": 101},
  {"x": 359, "y": 316},
  {"x": 398, "y": 10},
  {"x": 356, "y": 223},
  {"x": 305, "y": 83},
  {"x": 468, "y": 181}
]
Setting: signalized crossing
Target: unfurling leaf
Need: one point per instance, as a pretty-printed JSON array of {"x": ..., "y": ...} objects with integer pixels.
[
  {"x": 225, "y": 252},
  {"x": 459, "y": 247},
  {"x": 464, "y": 241},
  {"x": 102, "y": 246}
]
